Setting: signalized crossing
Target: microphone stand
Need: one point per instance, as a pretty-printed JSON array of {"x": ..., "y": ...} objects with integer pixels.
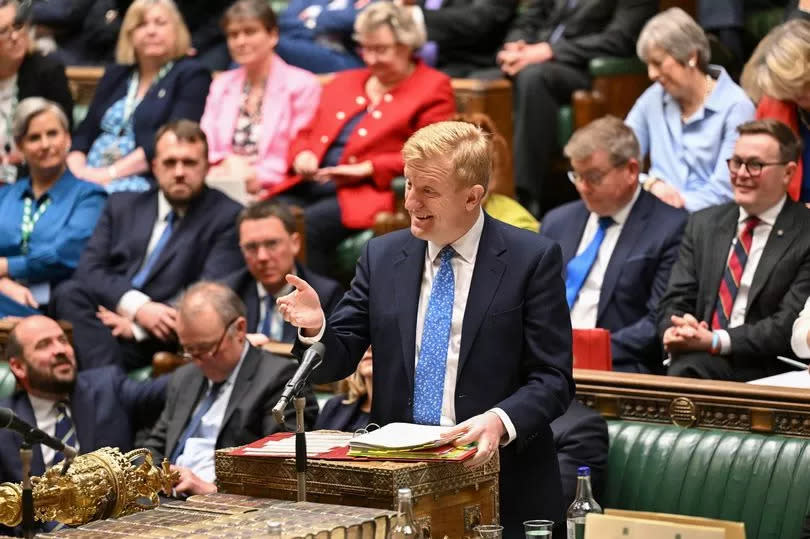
[
  {"x": 300, "y": 447},
  {"x": 27, "y": 492}
]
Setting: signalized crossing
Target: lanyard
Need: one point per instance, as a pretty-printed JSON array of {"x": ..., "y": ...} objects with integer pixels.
[
  {"x": 29, "y": 220},
  {"x": 131, "y": 102}
]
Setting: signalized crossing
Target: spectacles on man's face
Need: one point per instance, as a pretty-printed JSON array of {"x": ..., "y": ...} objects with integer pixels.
[
  {"x": 753, "y": 166},
  {"x": 6, "y": 31},
  {"x": 252, "y": 247},
  {"x": 593, "y": 178},
  {"x": 212, "y": 351}
]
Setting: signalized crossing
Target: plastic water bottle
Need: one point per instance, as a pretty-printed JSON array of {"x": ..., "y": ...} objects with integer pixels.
[
  {"x": 404, "y": 526},
  {"x": 583, "y": 504}
]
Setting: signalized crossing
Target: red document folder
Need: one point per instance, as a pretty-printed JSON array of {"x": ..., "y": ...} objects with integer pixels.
[{"x": 591, "y": 349}]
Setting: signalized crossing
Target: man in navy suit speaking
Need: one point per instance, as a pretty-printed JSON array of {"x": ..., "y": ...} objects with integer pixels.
[{"x": 467, "y": 318}]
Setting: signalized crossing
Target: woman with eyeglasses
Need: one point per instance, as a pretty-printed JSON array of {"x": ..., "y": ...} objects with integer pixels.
[
  {"x": 342, "y": 163},
  {"x": 778, "y": 77},
  {"x": 153, "y": 83},
  {"x": 686, "y": 121},
  {"x": 23, "y": 73}
]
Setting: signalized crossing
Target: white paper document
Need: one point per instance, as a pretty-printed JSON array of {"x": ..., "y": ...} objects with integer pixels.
[{"x": 800, "y": 379}]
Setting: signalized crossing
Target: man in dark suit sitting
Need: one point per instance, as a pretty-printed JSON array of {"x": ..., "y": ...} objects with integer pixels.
[
  {"x": 270, "y": 243},
  {"x": 743, "y": 272},
  {"x": 223, "y": 398},
  {"x": 618, "y": 243},
  {"x": 96, "y": 408},
  {"x": 145, "y": 249}
]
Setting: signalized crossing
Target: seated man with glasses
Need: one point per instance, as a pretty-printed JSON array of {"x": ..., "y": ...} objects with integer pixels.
[
  {"x": 270, "y": 243},
  {"x": 743, "y": 272},
  {"x": 224, "y": 395},
  {"x": 618, "y": 243}
]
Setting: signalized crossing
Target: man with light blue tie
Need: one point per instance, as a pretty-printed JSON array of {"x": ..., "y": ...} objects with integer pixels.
[
  {"x": 468, "y": 322},
  {"x": 146, "y": 248},
  {"x": 619, "y": 243}
]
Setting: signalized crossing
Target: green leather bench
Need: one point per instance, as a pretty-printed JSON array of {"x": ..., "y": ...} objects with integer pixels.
[{"x": 702, "y": 448}]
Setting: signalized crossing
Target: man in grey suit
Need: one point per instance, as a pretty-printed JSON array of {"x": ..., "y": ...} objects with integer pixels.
[
  {"x": 224, "y": 396},
  {"x": 743, "y": 272}
]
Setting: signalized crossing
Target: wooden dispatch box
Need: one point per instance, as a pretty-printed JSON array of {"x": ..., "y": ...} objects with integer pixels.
[{"x": 449, "y": 499}]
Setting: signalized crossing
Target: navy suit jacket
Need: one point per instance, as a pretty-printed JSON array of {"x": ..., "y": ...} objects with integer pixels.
[
  {"x": 180, "y": 94},
  {"x": 636, "y": 276},
  {"x": 515, "y": 349},
  {"x": 243, "y": 283},
  {"x": 203, "y": 245},
  {"x": 107, "y": 408}
]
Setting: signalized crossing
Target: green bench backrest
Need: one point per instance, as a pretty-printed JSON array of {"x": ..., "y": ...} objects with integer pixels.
[{"x": 762, "y": 480}]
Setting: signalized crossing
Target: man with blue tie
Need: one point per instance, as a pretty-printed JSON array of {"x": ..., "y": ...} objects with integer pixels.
[
  {"x": 270, "y": 244},
  {"x": 743, "y": 272},
  {"x": 145, "y": 249},
  {"x": 468, "y": 322},
  {"x": 618, "y": 242}
]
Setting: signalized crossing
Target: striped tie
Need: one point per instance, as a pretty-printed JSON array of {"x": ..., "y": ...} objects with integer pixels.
[
  {"x": 65, "y": 430},
  {"x": 733, "y": 274}
]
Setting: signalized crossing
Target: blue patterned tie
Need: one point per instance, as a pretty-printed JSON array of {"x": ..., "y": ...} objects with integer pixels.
[
  {"x": 140, "y": 277},
  {"x": 428, "y": 387},
  {"x": 579, "y": 266},
  {"x": 65, "y": 430},
  {"x": 267, "y": 323},
  {"x": 195, "y": 421}
]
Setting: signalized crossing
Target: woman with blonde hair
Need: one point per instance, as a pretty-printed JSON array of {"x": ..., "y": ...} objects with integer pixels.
[
  {"x": 152, "y": 83},
  {"x": 350, "y": 411},
  {"x": 778, "y": 77}
]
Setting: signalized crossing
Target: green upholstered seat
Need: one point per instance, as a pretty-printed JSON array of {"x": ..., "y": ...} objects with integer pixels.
[
  {"x": 7, "y": 381},
  {"x": 762, "y": 480}
]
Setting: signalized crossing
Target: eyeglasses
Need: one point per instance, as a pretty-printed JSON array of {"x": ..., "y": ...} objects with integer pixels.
[
  {"x": 6, "y": 31},
  {"x": 753, "y": 166},
  {"x": 252, "y": 247},
  {"x": 592, "y": 178},
  {"x": 188, "y": 355}
]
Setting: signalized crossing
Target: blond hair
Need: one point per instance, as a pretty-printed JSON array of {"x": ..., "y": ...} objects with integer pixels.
[
  {"x": 125, "y": 50},
  {"x": 397, "y": 18},
  {"x": 607, "y": 133},
  {"x": 463, "y": 144},
  {"x": 778, "y": 66}
]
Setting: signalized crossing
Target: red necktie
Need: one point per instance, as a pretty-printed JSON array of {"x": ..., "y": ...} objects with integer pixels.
[{"x": 730, "y": 284}]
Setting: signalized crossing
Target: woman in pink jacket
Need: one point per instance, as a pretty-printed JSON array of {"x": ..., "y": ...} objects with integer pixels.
[{"x": 253, "y": 112}]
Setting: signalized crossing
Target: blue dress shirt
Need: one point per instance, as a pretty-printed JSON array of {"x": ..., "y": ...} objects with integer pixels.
[
  {"x": 58, "y": 236},
  {"x": 691, "y": 156}
]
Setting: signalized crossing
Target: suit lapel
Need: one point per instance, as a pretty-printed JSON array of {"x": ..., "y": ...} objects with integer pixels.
[
  {"x": 242, "y": 383},
  {"x": 25, "y": 411},
  {"x": 186, "y": 401},
  {"x": 489, "y": 268},
  {"x": 570, "y": 242},
  {"x": 781, "y": 237},
  {"x": 407, "y": 281},
  {"x": 717, "y": 249},
  {"x": 252, "y": 304},
  {"x": 632, "y": 230},
  {"x": 145, "y": 216},
  {"x": 82, "y": 407}
]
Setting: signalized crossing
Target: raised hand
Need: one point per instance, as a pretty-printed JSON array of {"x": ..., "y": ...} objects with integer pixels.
[{"x": 302, "y": 307}]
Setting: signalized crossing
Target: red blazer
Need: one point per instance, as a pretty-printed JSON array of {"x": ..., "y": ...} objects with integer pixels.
[
  {"x": 425, "y": 97},
  {"x": 785, "y": 112}
]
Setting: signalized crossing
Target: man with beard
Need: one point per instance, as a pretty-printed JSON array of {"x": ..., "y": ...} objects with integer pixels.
[
  {"x": 96, "y": 408},
  {"x": 270, "y": 243},
  {"x": 146, "y": 248}
]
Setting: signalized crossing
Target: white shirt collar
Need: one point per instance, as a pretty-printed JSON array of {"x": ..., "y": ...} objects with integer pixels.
[
  {"x": 286, "y": 289},
  {"x": 621, "y": 215},
  {"x": 164, "y": 207},
  {"x": 231, "y": 379},
  {"x": 768, "y": 216},
  {"x": 42, "y": 407},
  {"x": 466, "y": 246}
]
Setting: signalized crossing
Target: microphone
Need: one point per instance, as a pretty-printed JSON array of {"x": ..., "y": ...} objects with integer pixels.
[
  {"x": 32, "y": 435},
  {"x": 313, "y": 356}
]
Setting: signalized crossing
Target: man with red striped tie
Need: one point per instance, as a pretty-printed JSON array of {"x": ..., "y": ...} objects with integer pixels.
[{"x": 743, "y": 271}]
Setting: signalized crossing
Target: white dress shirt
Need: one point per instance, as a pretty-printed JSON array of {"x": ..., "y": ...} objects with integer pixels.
[
  {"x": 198, "y": 453},
  {"x": 46, "y": 414},
  {"x": 132, "y": 300},
  {"x": 586, "y": 306},
  {"x": 761, "y": 232},
  {"x": 801, "y": 327}
]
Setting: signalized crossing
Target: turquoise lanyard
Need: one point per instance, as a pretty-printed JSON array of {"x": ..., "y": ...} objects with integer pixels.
[
  {"x": 131, "y": 103},
  {"x": 29, "y": 220}
]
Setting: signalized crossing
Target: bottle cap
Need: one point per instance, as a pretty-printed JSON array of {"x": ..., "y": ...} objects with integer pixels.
[
  {"x": 273, "y": 526},
  {"x": 404, "y": 492},
  {"x": 583, "y": 470}
]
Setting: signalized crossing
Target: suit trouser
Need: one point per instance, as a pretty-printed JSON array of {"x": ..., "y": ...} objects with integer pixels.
[
  {"x": 538, "y": 92},
  {"x": 708, "y": 367},
  {"x": 93, "y": 342},
  {"x": 311, "y": 56}
]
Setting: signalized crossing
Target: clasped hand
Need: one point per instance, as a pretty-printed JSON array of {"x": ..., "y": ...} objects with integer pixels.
[{"x": 687, "y": 334}]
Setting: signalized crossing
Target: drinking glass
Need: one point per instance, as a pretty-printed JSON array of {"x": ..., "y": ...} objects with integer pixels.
[
  {"x": 489, "y": 531},
  {"x": 538, "y": 528}
]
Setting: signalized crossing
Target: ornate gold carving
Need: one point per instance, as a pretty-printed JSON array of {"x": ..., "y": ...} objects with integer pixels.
[
  {"x": 472, "y": 517},
  {"x": 796, "y": 424},
  {"x": 726, "y": 417},
  {"x": 683, "y": 412},
  {"x": 423, "y": 523},
  {"x": 654, "y": 410},
  {"x": 99, "y": 485}
]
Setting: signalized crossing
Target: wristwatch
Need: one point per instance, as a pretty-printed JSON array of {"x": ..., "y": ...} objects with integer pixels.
[{"x": 649, "y": 182}]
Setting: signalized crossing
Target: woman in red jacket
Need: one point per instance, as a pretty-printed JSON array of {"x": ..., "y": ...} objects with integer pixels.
[
  {"x": 778, "y": 77},
  {"x": 343, "y": 162}
]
